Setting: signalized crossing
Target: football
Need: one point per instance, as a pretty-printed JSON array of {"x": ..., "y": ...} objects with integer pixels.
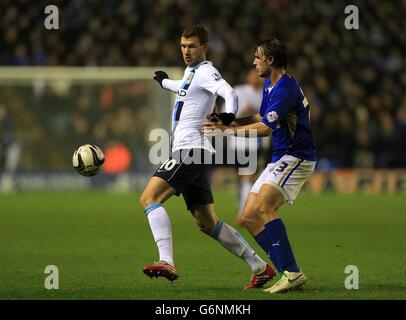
[{"x": 88, "y": 159}]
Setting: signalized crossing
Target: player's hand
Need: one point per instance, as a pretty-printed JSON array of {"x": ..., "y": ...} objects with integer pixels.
[
  {"x": 160, "y": 76},
  {"x": 213, "y": 128},
  {"x": 226, "y": 117},
  {"x": 213, "y": 117}
]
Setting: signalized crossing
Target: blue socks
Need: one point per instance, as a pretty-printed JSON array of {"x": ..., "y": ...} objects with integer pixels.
[
  {"x": 265, "y": 241},
  {"x": 274, "y": 240}
]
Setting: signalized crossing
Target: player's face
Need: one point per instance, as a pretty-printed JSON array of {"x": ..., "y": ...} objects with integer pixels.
[
  {"x": 261, "y": 63},
  {"x": 192, "y": 51}
]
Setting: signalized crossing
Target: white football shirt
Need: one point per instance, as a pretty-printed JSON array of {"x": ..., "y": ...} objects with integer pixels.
[{"x": 196, "y": 95}]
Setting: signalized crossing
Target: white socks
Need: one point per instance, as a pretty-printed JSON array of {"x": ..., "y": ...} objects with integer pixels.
[
  {"x": 232, "y": 240},
  {"x": 228, "y": 237},
  {"x": 161, "y": 229}
]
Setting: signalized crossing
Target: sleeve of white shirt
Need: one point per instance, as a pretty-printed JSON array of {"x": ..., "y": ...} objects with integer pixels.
[
  {"x": 213, "y": 82},
  {"x": 230, "y": 98},
  {"x": 210, "y": 79},
  {"x": 172, "y": 85}
]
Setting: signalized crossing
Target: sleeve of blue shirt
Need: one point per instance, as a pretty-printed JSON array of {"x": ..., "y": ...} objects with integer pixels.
[
  {"x": 263, "y": 101},
  {"x": 281, "y": 102}
]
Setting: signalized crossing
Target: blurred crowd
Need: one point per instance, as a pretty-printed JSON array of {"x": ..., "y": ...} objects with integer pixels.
[
  {"x": 354, "y": 80},
  {"x": 50, "y": 121}
]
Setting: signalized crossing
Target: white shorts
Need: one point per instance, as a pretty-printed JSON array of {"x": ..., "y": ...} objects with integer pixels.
[{"x": 288, "y": 175}]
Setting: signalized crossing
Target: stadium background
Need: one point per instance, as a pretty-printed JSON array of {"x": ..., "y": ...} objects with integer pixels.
[{"x": 354, "y": 81}]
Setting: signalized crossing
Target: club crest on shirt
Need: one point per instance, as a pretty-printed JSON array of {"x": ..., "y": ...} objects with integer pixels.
[
  {"x": 216, "y": 76},
  {"x": 272, "y": 116}
]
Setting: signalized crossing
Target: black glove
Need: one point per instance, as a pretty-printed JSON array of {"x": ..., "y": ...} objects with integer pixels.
[
  {"x": 213, "y": 117},
  {"x": 160, "y": 76},
  {"x": 226, "y": 117}
]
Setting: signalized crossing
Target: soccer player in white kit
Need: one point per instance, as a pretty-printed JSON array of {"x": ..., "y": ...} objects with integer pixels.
[{"x": 181, "y": 174}]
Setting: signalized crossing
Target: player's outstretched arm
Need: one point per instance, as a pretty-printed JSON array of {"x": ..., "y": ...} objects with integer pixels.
[
  {"x": 248, "y": 120},
  {"x": 215, "y": 117},
  {"x": 160, "y": 76},
  {"x": 163, "y": 79},
  {"x": 261, "y": 129}
]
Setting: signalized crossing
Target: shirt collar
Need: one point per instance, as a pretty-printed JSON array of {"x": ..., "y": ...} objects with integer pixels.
[{"x": 198, "y": 65}]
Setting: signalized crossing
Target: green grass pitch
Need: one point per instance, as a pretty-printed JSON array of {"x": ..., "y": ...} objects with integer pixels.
[{"x": 100, "y": 241}]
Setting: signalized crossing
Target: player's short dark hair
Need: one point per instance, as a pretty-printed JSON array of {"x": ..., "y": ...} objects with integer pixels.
[
  {"x": 196, "y": 31},
  {"x": 276, "y": 49}
]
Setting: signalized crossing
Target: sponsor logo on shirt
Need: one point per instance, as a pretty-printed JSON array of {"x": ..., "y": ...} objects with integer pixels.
[{"x": 189, "y": 78}]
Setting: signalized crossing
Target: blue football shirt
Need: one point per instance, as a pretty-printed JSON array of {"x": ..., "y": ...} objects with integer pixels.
[{"x": 285, "y": 109}]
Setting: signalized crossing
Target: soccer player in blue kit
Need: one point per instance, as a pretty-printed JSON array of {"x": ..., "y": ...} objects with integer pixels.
[{"x": 284, "y": 114}]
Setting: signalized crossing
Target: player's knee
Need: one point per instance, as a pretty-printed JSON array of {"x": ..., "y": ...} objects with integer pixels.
[
  {"x": 206, "y": 228},
  {"x": 143, "y": 201},
  {"x": 265, "y": 208},
  {"x": 147, "y": 199},
  {"x": 251, "y": 218},
  {"x": 252, "y": 213},
  {"x": 251, "y": 221},
  {"x": 205, "y": 225},
  {"x": 259, "y": 213}
]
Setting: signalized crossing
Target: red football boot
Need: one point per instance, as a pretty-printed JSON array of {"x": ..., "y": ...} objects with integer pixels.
[
  {"x": 259, "y": 279},
  {"x": 161, "y": 269}
]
